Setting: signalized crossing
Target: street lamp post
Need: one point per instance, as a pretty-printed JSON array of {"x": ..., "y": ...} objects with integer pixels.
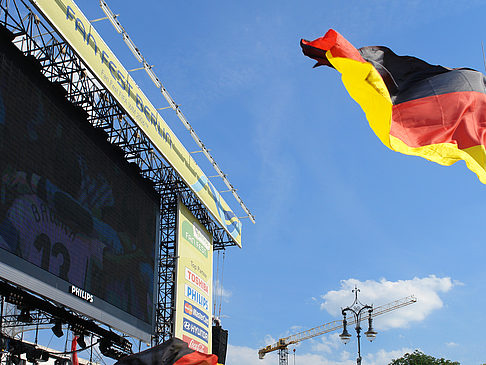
[{"x": 357, "y": 309}]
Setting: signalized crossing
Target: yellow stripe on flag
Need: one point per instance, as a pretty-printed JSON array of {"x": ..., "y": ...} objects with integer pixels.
[
  {"x": 447, "y": 154},
  {"x": 365, "y": 85}
]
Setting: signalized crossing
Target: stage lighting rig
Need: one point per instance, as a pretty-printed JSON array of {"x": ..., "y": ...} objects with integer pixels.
[
  {"x": 107, "y": 349},
  {"x": 61, "y": 361},
  {"x": 138, "y": 55},
  {"x": 111, "y": 16},
  {"x": 57, "y": 328},
  {"x": 37, "y": 355},
  {"x": 24, "y": 315},
  {"x": 81, "y": 341},
  {"x": 133, "y": 48},
  {"x": 15, "y": 347},
  {"x": 14, "y": 298},
  {"x": 15, "y": 360}
]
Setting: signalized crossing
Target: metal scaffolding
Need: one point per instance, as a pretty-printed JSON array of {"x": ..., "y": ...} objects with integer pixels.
[{"x": 58, "y": 62}]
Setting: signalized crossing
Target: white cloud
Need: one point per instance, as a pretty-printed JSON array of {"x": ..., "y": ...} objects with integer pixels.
[
  {"x": 269, "y": 340},
  {"x": 326, "y": 344},
  {"x": 426, "y": 290},
  {"x": 295, "y": 329},
  {"x": 220, "y": 293},
  {"x": 327, "y": 350},
  {"x": 452, "y": 344},
  {"x": 384, "y": 357},
  {"x": 241, "y": 355}
]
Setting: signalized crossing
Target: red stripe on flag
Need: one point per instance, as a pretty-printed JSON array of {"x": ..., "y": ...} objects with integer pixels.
[
  {"x": 197, "y": 358},
  {"x": 337, "y": 44},
  {"x": 458, "y": 118}
]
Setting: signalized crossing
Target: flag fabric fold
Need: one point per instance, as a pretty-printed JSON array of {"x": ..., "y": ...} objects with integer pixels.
[
  {"x": 414, "y": 108},
  {"x": 171, "y": 352}
]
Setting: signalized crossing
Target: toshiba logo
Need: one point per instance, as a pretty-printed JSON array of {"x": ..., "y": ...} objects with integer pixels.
[{"x": 81, "y": 293}]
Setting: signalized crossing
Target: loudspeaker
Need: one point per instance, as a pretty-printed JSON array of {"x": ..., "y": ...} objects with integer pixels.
[{"x": 220, "y": 342}]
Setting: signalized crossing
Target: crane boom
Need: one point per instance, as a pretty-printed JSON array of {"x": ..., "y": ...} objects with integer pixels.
[{"x": 332, "y": 326}]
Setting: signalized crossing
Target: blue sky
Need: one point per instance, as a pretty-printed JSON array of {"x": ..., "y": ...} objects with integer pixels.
[{"x": 334, "y": 207}]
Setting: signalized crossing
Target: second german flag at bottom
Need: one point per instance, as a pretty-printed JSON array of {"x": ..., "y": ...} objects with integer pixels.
[{"x": 171, "y": 352}]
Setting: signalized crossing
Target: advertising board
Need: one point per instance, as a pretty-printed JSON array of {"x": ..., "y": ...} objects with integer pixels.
[
  {"x": 194, "y": 276},
  {"x": 77, "y": 223},
  {"x": 75, "y": 28}
]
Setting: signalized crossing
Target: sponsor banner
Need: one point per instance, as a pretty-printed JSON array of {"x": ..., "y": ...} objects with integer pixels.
[
  {"x": 196, "y": 297},
  {"x": 76, "y": 29},
  {"x": 196, "y": 280},
  {"x": 195, "y": 345},
  {"x": 194, "y": 277},
  {"x": 81, "y": 293},
  {"x": 196, "y": 313},
  {"x": 192, "y": 234},
  {"x": 195, "y": 330}
]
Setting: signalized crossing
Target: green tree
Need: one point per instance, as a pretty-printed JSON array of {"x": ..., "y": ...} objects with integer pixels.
[{"x": 419, "y": 358}]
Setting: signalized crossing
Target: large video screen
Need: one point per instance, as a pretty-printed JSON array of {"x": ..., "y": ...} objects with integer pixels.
[{"x": 72, "y": 211}]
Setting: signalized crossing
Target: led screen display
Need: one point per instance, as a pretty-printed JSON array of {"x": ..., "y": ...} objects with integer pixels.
[{"x": 71, "y": 208}]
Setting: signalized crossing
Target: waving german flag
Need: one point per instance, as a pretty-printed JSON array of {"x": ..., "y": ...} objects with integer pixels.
[
  {"x": 172, "y": 352},
  {"x": 414, "y": 108}
]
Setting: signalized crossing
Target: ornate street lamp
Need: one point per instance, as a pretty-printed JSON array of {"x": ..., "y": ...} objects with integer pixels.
[{"x": 356, "y": 309}]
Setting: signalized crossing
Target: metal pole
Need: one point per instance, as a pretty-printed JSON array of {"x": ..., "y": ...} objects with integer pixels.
[
  {"x": 91, "y": 351},
  {"x": 1, "y": 325},
  {"x": 1, "y": 313},
  {"x": 358, "y": 330}
]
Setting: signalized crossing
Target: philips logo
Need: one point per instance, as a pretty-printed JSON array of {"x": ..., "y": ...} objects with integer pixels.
[
  {"x": 197, "y": 297},
  {"x": 81, "y": 294}
]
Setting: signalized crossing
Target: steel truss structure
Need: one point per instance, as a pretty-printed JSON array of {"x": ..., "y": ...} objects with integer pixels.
[
  {"x": 38, "y": 313},
  {"x": 58, "y": 62}
]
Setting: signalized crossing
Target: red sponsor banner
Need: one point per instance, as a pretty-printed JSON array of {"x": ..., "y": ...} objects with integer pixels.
[
  {"x": 196, "y": 280},
  {"x": 195, "y": 345}
]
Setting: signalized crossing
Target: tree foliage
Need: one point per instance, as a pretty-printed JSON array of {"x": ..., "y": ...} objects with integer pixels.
[{"x": 419, "y": 358}]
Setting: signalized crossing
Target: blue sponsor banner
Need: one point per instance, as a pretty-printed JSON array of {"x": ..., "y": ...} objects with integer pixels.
[
  {"x": 197, "y": 297},
  {"x": 195, "y": 330},
  {"x": 196, "y": 313}
]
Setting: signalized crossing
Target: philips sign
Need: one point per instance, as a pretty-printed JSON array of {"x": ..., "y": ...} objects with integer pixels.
[
  {"x": 197, "y": 297},
  {"x": 81, "y": 293}
]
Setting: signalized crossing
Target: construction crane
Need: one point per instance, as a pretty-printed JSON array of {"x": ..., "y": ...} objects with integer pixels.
[{"x": 282, "y": 344}]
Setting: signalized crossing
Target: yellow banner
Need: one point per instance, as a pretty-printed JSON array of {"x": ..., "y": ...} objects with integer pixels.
[
  {"x": 194, "y": 282},
  {"x": 73, "y": 26}
]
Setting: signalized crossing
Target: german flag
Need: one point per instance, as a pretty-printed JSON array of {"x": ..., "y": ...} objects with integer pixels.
[
  {"x": 415, "y": 108},
  {"x": 171, "y": 352}
]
